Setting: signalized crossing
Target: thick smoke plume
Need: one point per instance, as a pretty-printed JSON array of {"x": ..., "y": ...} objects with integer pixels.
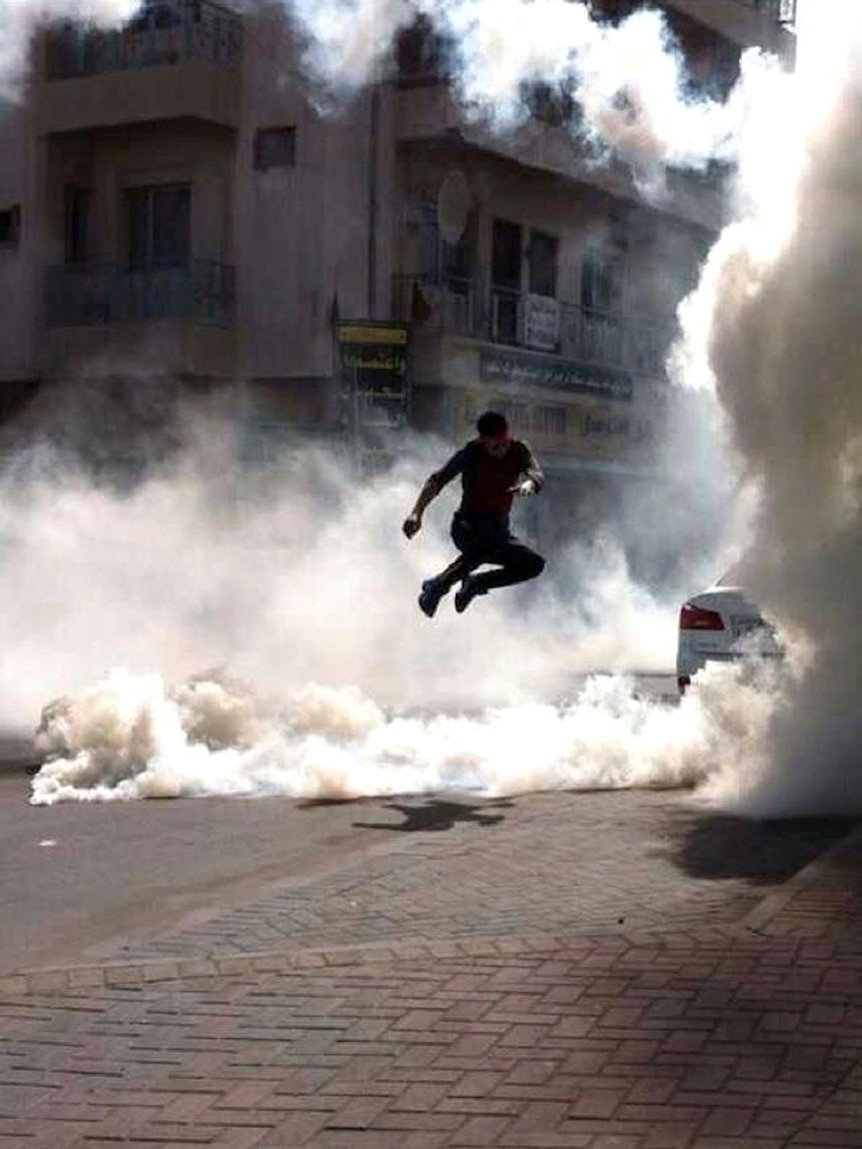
[
  {"x": 270, "y": 641},
  {"x": 19, "y": 20},
  {"x": 628, "y": 81},
  {"x": 775, "y": 328}
]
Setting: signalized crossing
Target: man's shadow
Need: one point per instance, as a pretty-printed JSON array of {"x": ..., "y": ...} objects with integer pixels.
[{"x": 437, "y": 815}]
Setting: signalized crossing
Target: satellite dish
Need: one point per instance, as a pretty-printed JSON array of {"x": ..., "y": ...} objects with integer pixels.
[{"x": 454, "y": 203}]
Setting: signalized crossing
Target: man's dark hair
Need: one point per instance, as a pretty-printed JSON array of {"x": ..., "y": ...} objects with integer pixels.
[{"x": 492, "y": 424}]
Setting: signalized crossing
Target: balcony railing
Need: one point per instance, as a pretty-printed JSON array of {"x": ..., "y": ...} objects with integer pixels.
[
  {"x": 165, "y": 32},
  {"x": 201, "y": 292},
  {"x": 783, "y": 11},
  {"x": 472, "y": 308}
]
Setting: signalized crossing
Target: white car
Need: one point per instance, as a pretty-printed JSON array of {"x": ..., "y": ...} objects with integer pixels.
[{"x": 721, "y": 624}]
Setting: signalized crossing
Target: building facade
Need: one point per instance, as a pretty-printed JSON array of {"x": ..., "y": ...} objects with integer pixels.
[{"x": 176, "y": 207}]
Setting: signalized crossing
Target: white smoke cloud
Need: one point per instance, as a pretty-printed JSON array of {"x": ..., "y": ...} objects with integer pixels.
[
  {"x": 301, "y": 589},
  {"x": 202, "y": 566},
  {"x": 774, "y": 329},
  {"x": 20, "y": 19},
  {"x": 133, "y": 737},
  {"x": 629, "y": 81}
]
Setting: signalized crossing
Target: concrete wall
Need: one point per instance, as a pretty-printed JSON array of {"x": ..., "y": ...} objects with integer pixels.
[
  {"x": 19, "y": 302},
  {"x": 303, "y": 233},
  {"x": 111, "y": 161}
]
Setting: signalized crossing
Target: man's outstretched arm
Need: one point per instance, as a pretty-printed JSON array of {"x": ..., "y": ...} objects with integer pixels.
[
  {"x": 532, "y": 478},
  {"x": 433, "y": 486}
]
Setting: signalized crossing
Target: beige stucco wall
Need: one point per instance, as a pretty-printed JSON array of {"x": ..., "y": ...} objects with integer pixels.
[
  {"x": 109, "y": 161},
  {"x": 302, "y": 233}
]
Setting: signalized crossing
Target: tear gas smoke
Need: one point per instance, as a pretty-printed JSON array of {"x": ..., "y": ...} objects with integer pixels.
[
  {"x": 771, "y": 332},
  {"x": 135, "y": 738},
  {"x": 202, "y": 567},
  {"x": 287, "y": 580},
  {"x": 19, "y": 19},
  {"x": 629, "y": 81},
  {"x": 776, "y": 324}
]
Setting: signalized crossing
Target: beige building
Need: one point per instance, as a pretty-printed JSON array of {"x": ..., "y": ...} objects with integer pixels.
[{"x": 173, "y": 206}]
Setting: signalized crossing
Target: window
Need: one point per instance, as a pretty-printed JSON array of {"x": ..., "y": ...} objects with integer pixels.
[
  {"x": 602, "y": 277},
  {"x": 506, "y": 259},
  {"x": 274, "y": 148},
  {"x": 542, "y": 264},
  {"x": 550, "y": 420},
  {"x": 10, "y": 226},
  {"x": 76, "y": 228},
  {"x": 159, "y": 226},
  {"x": 506, "y": 255},
  {"x": 517, "y": 414}
]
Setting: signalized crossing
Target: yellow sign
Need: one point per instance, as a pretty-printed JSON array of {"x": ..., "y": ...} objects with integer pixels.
[{"x": 371, "y": 333}]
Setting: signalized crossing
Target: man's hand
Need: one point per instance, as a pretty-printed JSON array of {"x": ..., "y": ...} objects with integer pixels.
[
  {"x": 412, "y": 525},
  {"x": 527, "y": 487}
]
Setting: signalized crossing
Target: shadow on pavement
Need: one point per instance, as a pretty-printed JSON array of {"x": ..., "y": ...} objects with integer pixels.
[
  {"x": 720, "y": 847},
  {"x": 437, "y": 816},
  {"x": 18, "y": 755}
]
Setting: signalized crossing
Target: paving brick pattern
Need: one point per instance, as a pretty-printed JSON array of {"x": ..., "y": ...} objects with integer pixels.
[
  {"x": 713, "y": 1027},
  {"x": 698, "y": 1041},
  {"x": 540, "y": 866}
]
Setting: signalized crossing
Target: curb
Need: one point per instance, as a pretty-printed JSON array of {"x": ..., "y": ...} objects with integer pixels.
[
  {"x": 136, "y": 975},
  {"x": 775, "y": 903}
]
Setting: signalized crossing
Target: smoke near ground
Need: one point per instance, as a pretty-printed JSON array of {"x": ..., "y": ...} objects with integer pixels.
[
  {"x": 267, "y": 639},
  {"x": 783, "y": 296}
]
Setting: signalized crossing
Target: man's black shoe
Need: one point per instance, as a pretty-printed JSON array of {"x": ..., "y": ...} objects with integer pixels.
[
  {"x": 430, "y": 597},
  {"x": 465, "y": 595}
]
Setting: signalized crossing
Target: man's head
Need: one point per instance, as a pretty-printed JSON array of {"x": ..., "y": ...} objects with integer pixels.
[{"x": 494, "y": 434}]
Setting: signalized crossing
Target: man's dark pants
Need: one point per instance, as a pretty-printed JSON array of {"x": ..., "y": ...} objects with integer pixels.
[{"x": 483, "y": 538}]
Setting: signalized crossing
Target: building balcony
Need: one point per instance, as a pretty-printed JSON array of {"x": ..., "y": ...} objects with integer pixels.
[
  {"x": 202, "y": 292},
  {"x": 748, "y": 23},
  {"x": 781, "y": 11},
  {"x": 178, "y": 58},
  {"x": 182, "y": 316},
  {"x": 476, "y": 310}
]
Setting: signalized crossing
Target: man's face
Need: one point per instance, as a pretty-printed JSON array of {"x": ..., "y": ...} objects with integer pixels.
[{"x": 497, "y": 445}]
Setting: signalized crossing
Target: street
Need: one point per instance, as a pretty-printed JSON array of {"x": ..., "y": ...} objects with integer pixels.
[
  {"x": 88, "y": 882},
  {"x": 606, "y": 970}
]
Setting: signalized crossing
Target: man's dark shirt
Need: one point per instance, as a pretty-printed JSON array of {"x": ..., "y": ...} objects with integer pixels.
[{"x": 486, "y": 480}]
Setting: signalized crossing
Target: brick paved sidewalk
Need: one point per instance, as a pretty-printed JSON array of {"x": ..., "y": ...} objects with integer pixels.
[
  {"x": 744, "y": 1035},
  {"x": 548, "y": 864}
]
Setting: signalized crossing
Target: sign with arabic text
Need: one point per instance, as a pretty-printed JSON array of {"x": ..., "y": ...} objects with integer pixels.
[{"x": 508, "y": 365}]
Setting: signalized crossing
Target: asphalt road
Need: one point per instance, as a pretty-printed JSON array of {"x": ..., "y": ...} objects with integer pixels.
[
  {"x": 77, "y": 878},
  {"x": 86, "y": 883}
]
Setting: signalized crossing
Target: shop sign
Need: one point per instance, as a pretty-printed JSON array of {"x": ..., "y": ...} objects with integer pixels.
[
  {"x": 377, "y": 351},
  {"x": 374, "y": 356},
  {"x": 498, "y": 365},
  {"x": 542, "y": 322}
]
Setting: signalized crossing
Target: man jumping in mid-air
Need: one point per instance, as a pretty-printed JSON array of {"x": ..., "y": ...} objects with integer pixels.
[{"x": 493, "y": 469}]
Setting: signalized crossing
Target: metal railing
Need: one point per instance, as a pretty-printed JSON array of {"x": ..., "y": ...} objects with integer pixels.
[
  {"x": 782, "y": 11},
  {"x": 495, "y": 314},
  {"x": 164, "y": 32},
  {"x": 203, "y": 292}
]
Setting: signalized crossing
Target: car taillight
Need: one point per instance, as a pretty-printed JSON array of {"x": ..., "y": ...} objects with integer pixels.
[{"x": 696, "y": 618}]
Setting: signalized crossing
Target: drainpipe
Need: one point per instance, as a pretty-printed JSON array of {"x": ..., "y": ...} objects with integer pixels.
[{"x": 373, "y": 196}]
